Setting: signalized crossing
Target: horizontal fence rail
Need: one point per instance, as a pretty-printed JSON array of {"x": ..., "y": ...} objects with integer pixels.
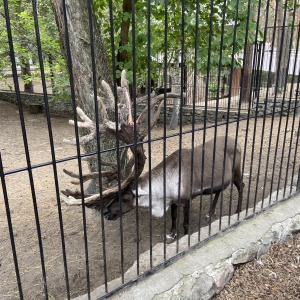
[{"x": 180, "y": 113}]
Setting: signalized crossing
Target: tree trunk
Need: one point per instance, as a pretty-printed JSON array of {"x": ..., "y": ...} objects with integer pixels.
[
  {"x": 124, "y": 35},
  {"x": 25, "y": 70},
  {"x": 282, "y": 45},
  {"x": 80, "y": 45},
  {"x": 247, "y": 74}
]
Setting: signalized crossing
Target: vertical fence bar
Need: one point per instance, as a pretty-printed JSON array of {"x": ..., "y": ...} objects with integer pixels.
[
  {"x": 26, "y": 147},
  {"x": 274, "y": 110},
  {"x": 296, "y": 108},
  {"x": 239, "y": 185},
  {"x": 205, "y": 118},
  {"x": 228, "y": 108},
  {"x": 282, "y": 104},
  {"x": 180, "y": 120},
  {"x": 135, "y": 141},
  {"x": 97, "y": 121},
  {"x": 298, "y": 181},
  {"x": 255, "y": 127},
  {"x": 10, "y": 229},
  {"x": 289, "y": 104},
  {"x": 46, "y": 101},
  {"x": 294, "y": 114},
  {"x": 256, "y": 113},
  {"x": 240, "y": 104},
  {"x": 294, "y": 165},
  {"x": 255, "y": 133},
  {"x": 208, "y": 76},
  {"x": 258, "y": 87},
  {"x": 149, "y": 123},
  {"x": 217, "y": 106},
  {"x": 70, "y": 68},
  {"x": 165, "y": 124},
  {"x": 193, "y": 117},
  {"x": 247, "y": 132},
  {"x": 180, "y": 128},
  {"x": 272, "y": 121},
  {"x": 211, "y": 212},
  {"x": 117, "y": 132}
]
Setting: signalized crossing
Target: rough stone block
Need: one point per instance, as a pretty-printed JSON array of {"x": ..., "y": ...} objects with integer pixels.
[{"x": 244, "y": 255}]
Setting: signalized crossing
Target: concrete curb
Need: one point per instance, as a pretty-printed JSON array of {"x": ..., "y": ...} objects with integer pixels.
[{"x": 205, "y": 271}]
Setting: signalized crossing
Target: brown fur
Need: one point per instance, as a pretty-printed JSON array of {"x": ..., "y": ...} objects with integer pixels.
[{"x": 213, "y": 180}]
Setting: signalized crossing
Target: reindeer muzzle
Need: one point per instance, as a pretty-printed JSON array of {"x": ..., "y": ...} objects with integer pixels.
[{"x": 109, "y": 215}]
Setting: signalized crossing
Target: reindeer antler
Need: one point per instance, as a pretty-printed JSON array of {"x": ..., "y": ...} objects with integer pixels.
[{"x": 108, "y": 128}]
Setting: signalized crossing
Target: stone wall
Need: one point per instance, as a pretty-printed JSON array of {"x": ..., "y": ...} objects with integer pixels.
[
  {"x": 187, "y": 114},
  {"x": 268, "y": 105},
  {"x": 35, "y": 102}
]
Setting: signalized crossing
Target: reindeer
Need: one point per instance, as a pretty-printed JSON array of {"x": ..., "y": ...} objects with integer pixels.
[
  {"x": 190, "y": 185},
  {"x": 132, "y": 132}
]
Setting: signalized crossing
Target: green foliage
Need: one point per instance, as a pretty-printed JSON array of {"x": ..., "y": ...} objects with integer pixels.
[
  {"x": 25, "y": 47},
  {"x": 222, "y": 31},
  {"x": 213, "y": 16}
]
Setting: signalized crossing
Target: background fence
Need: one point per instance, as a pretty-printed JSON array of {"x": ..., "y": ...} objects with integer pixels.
[{"x": 57, "y": 239}]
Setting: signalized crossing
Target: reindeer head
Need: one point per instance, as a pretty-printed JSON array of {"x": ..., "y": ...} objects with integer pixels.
[{"x": 113, "y": 209}]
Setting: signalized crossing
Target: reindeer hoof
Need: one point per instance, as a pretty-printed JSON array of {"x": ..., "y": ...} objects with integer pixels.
[
  {"x": 207, "y": 217},
  {"x": 170, "y": 238}
]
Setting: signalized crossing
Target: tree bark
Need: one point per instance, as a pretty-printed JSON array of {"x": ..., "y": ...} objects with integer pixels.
[
  {"x": 82, "y": 71},
  {"x": 247, "y": 74},
  {"x": 25, "y": 70},
  {"x": 282, "y": 45},
  {"x": 80, "y": 45},
  {"x": 124, "y": 34}
]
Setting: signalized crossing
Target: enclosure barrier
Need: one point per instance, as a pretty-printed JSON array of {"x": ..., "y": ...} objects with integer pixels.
[{"x": 128, "y": 67}]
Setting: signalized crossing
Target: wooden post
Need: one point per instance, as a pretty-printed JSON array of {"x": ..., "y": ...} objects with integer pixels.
[{"x": 235, "y": 82}]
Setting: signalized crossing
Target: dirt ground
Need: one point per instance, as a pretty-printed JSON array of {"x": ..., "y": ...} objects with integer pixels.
[{"x": 257, "y": 178}]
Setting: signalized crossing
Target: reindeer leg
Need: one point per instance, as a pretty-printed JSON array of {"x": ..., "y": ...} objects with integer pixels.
[
  {"x": 186, "y": 212},
  {"x": 240, "y": 187},
  {"x": 212, "y": 211},
  {"x": 237, "y": 181},
  {"x": 173, "y": 232}
]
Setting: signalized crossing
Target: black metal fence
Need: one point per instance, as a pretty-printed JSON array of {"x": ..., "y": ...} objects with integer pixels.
[{"x": 60, "y": 242}]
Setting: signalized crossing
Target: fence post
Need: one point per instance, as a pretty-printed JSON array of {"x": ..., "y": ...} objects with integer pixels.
[{"x": 298, "y": 181}]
